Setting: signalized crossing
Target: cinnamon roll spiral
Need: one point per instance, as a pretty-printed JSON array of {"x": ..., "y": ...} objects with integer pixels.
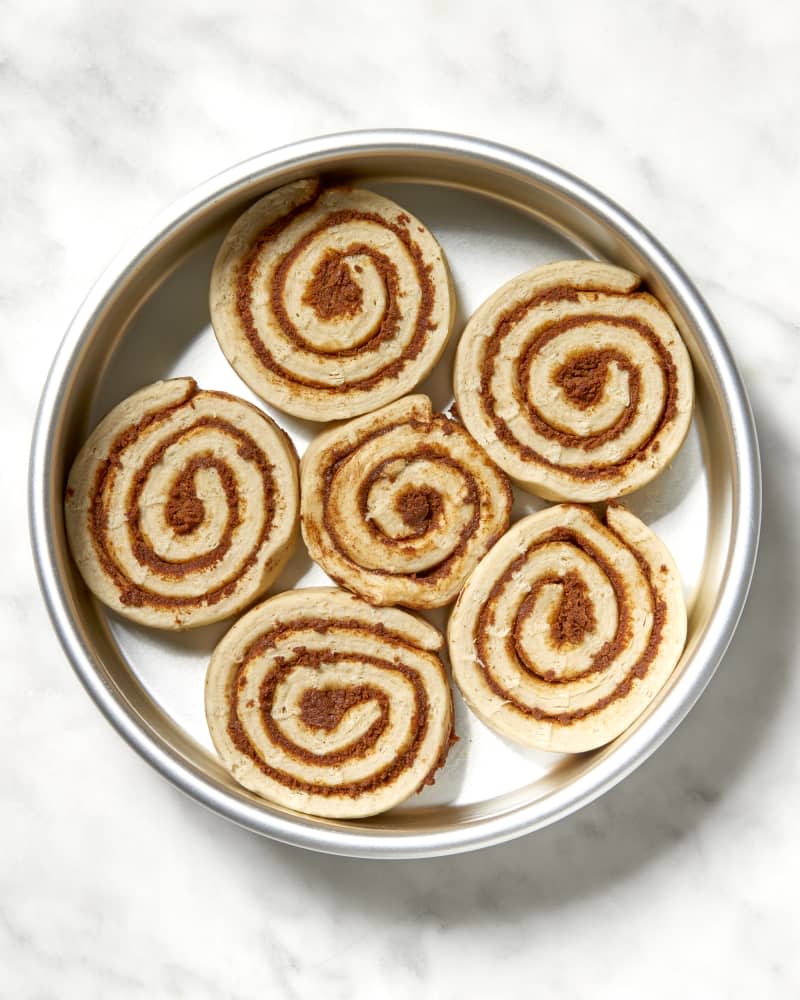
[
  {"x": 182, "y": 506},
  {"x": 575, "y": 381},
  {"x": 400, "y": 505},
  {"x": 318, "y": 702},
  {"x": 569, "y": 628},
  {"x": 330, "y": 302}
]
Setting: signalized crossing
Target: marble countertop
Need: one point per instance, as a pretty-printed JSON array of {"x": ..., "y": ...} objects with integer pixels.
[{"x": 684, "y": 877}]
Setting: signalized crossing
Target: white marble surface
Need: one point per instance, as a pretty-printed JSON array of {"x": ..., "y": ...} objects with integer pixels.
[{"x": 685, "y": 877}]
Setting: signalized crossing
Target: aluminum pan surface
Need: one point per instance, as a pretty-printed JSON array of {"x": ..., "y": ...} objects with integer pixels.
[{"x": 497, "y": 212}]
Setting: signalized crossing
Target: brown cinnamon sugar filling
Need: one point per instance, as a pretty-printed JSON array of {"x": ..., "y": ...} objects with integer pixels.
[
  {"x": 605, "y": 357},
  {"x": 358, "y": 747},
  {"x": 413, "y": 504},
  {"x": 573, "y": 618},
  {"x": 184, "y": 510},
  {"x": 142, "y": 549},
  {"x": 571, "y": 621},
  {"x": 419, "y": 508},
  {"x": 582, "y": 378},
  {"x": 333, "y": 293},
  {"x": 514, "y": 645},
  {"x": 324, "y": 709},
  {"x": 321, "y": 298}
]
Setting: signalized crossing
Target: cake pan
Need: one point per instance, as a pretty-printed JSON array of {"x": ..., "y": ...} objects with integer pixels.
[{"x": 496, "y": 211}]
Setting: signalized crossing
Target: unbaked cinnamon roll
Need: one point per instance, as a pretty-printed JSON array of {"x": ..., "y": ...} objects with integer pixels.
[
  {"x": 319, "y": 702},
  {"x": 575, "y": 381},
  {"x": 569, "y": 628},
  {"x": 400, "y": 505},
  {"x": 182, "y": 506},
  {"x": 330, "y": 302}
]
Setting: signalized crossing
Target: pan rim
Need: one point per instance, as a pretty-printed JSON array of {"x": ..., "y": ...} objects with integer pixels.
[{"x": 486, "y": 831}]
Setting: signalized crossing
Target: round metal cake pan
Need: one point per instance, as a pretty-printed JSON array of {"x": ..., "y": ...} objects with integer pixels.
[{"x": 496, "y": 211}]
